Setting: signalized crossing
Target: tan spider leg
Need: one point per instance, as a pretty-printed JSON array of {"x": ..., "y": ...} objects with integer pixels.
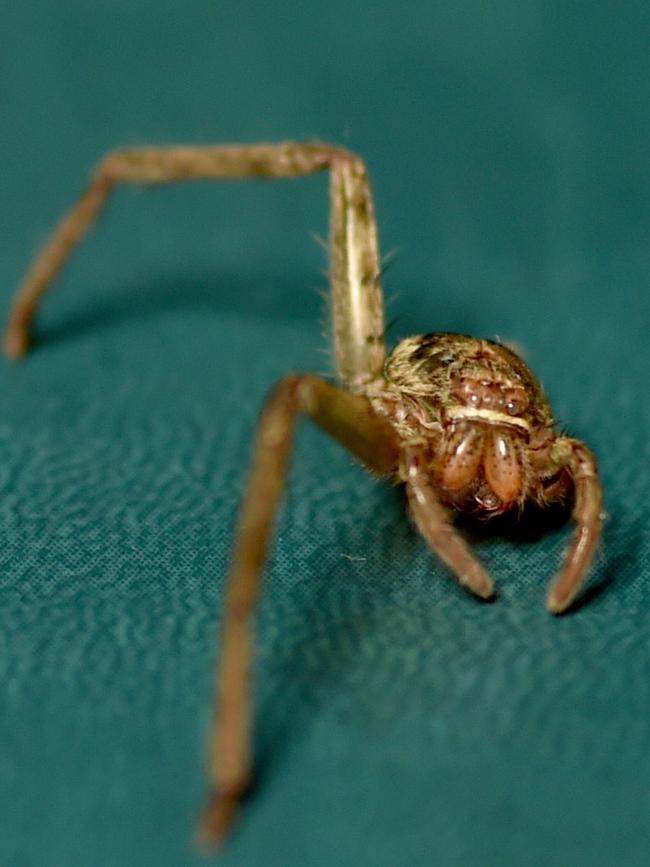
[
  {"x": 351, "y": 420},
  {"x": 355, "y": 263},
  {"x": 359, "y": 348},
  {"x": 432, "y": 520},
  {"x": 588, "y": 515}
]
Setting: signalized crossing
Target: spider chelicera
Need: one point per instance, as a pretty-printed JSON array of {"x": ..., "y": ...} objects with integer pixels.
[{"x": 461, "y": 422}]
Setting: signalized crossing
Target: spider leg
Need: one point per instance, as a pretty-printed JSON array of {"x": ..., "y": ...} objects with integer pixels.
[
  {"x": 588, "y": 515},
  {"x": 370, "y": 437},
  {"x": 354, "y": 256},
  {"x": 432, "y": 520}
]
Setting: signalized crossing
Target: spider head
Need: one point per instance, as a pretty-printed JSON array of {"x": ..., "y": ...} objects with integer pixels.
[
  {"x": 484, "y": 404},
  {"x": 476, "y": 378}
]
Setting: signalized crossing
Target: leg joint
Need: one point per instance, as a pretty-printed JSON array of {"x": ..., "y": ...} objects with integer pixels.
[{"x": 298, "y": 389}]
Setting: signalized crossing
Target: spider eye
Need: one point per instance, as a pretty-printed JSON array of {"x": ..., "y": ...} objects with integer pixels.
[{"x": 513, "y": 407}]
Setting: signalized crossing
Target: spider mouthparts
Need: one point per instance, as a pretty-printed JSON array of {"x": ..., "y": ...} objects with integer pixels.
[{"x": 487, "y": 499}]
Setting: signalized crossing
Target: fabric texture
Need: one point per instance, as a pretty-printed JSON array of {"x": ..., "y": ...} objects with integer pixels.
[{"x": 399, "y": 722}]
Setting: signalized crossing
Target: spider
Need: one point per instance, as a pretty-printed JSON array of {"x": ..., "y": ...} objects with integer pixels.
[{"x": 461, "y": 422}]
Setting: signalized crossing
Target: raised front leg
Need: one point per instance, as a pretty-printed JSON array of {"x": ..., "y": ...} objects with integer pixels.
[
  {"x": 354, "y": 250},
  {"x": 588, "y": 515},
  {"x": 372, "y": 439}
]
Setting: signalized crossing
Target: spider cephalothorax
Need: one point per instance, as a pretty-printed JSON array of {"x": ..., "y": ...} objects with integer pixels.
[
  {"x": 483, "y": 414},
  {"x": 461, "y": 422}
]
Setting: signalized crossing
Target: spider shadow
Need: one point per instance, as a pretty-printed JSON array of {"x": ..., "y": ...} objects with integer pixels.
[
  {"x": 285, "y": 297},
  {"x": 529, "y": 525},
  {"x": 312, "y": 660}
]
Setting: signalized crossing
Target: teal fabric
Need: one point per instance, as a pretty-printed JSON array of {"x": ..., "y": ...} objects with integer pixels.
[{"x": 399, "y": 722}]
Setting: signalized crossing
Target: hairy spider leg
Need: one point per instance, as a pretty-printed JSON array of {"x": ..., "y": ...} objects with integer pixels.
[
  {"x": 355, "y": 265},
  {"x": 358, "y": 327},
  {"x": 588, "y": 515},
  {"x": 371, "y": 438}
]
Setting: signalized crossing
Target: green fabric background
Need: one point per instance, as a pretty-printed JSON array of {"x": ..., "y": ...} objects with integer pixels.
[{"x": 399, "y": 721}]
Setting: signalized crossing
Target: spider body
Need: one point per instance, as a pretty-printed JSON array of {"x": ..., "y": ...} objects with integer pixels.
[
  {"x": 461, "y": 422},
  {"x": 483, "y": 416}
]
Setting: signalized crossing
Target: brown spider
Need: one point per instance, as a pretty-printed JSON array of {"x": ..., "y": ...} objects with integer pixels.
[{"x": 460, "y": 421}]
